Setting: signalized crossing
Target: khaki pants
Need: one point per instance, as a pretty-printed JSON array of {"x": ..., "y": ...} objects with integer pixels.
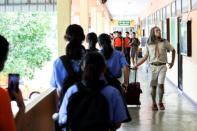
[{"x": 157, "y": 74}]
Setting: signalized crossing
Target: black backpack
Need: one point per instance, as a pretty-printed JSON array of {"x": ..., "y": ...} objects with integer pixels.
[
  {"x": 73, "y": 77},
  {"x": 113, "y": 81},
  {"x": 88, "y": 110}
]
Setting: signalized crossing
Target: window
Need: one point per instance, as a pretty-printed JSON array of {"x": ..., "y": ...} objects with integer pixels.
[
  {"x": 168, "y": 10},
  {"x": 27, "y": 5},
  {"x": 194, "y": 4},
  {"x": 185, "y": 38},
  {"x": 173, "y": 7},
  {"x": 158, "y": 16},
  {"x": 184, "y": 6},
  {"x": 164, "y": 13},
  {"x": 155, "y": 17},
  {"x": 178, "y": 7}
]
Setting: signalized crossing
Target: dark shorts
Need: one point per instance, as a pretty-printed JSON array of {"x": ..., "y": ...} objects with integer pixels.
[{"x": 133, "y": 52}]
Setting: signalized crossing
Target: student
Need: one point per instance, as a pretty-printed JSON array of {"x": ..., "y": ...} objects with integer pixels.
[
  {"x": 156, "y": 52},
  {"x": 74, "y": 51},
  {"x": 127, "y": 41},
  {"x": 7, "y": 121},
  {"x": 91, "y": 39},
  {"x": 115, "y": 59},
  {"x": 118, "y": 42},
  {"x": 134, "y": 47},
  {"x": 94, "y": 69}
]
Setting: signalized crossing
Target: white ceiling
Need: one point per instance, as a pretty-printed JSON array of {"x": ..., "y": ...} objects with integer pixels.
[{"x": 126, "y": 9}]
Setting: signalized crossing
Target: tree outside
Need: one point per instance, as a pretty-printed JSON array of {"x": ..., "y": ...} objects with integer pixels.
[{"x": 29, "y": 44}]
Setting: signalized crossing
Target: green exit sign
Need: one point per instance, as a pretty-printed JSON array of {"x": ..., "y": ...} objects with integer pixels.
[{"x": 124, "y": 23}]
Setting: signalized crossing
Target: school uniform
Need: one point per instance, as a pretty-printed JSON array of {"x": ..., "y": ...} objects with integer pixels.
[
  {"x": 158, "y": 60},
  {"x": 117, "y": 111},
  {"x": 116, "y": 62},
  {"x": 59, "y": 72}
]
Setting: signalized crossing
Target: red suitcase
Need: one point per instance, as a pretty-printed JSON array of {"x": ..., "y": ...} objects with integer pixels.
[{"x": 132, "y": 94}]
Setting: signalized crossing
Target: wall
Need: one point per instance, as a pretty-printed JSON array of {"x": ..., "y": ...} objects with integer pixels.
[
  {"x": 38, "y": 115},
  {"x": 189, "y": 63}
]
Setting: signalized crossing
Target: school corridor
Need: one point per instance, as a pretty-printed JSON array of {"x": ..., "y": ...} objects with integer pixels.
[
  {"x": 176, "y": 21},
  {"x": 180, "y": 113}
]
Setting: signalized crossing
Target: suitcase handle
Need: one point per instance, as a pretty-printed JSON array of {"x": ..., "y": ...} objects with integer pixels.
[
  {"x": 136, "y": 56},
  {"x": 135, "y": 75}
]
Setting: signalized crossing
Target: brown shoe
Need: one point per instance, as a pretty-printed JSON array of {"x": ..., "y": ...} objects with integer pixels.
[
  {"x": 161, "y": 106},
  {"x": 154, "y": 107}
]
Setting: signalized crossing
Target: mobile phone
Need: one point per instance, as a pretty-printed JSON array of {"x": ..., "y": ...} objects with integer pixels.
[{"x": 13, "y": 84}]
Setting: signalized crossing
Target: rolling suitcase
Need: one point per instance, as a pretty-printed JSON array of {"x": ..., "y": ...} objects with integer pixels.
[
  {"x": 140, "y": 53},
  {"x": 132, "y": 94}
]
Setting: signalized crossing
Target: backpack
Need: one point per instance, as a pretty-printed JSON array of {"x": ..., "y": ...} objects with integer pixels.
[
  {"x": 112, "y": 80},
  {"x": 73, "y": 77},
  {"x": 88, "y": 110}
]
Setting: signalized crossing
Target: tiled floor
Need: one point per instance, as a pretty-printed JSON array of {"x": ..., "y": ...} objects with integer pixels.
[{"x": 180, "y": 114}]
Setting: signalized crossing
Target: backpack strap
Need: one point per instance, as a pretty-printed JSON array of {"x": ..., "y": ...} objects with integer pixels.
[
  {"x": 82, "y": 87},
  {"x": 113, "y": 81},
  {"x": 67, "y": 64},
  {"x": 72, "y": 75},
  {"x": 109, "y": 74}
]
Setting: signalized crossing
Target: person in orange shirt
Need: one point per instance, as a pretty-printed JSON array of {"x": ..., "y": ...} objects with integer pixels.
[
  {"x": 118, "y": 42},
  {"x": 127, "y": 41},
  {"x": 7, "y": 121}
]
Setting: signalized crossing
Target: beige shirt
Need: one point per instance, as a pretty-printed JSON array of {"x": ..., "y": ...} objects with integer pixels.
[{"x": 158, "y": 52}]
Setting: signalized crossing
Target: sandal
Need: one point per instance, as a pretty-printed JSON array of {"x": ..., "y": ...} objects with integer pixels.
[
  {"x": 161, "y": 106},
  {"x": 154, "y": 107}
]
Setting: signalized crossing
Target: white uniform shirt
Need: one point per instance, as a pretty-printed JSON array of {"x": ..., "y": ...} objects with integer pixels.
[{"x": 158, "y": 52}]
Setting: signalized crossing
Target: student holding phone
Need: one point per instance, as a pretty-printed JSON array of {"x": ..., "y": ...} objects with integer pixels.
[
  {"x": 7, "y": 121},
  {"x": 13, "y": 85}
]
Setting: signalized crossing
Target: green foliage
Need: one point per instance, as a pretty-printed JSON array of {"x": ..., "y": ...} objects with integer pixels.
[{"x": 27, "y": 34}]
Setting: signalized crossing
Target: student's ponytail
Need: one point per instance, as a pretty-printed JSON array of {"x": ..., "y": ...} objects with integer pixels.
[
  {"x": 105, "y": 41},
  {"x": 75, "y": 36}
]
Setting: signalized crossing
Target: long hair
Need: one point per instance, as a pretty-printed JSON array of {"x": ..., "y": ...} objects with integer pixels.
[
  {"x": 152, "y": 38},
  {"x": 92, "y": 40},
  {"x": 104, "y": 41},
  {"x": 4, "y": 48},
  {"x": 94, "y": 67},
  {"x": 75, "y": 35}
]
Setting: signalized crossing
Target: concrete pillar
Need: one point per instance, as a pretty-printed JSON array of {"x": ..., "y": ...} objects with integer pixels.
[
  {"x": 93, "y": 19},
  {"x": 106, "y": 25},
  {"x": 100, "y": 23},
  {"x": 84, "y": 17},
  {"x": 63, "y": 20},
  {"x": 110, "y": 26}
]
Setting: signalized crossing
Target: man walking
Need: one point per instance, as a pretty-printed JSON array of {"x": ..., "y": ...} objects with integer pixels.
[{"x": 156, "y": 51}]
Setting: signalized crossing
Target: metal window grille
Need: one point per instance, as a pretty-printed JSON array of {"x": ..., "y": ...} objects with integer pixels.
[{"x": 27, "y": 5}]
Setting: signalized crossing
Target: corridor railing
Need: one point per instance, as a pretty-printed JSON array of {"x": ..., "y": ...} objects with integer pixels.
[{"x": 38, "y": 114}]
